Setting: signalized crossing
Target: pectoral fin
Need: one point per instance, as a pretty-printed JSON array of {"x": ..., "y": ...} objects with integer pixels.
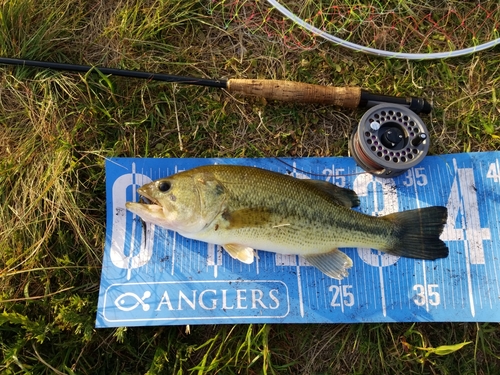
[
  {"x": 242, "y": 253},
  {"x": 334, "y": 264}
]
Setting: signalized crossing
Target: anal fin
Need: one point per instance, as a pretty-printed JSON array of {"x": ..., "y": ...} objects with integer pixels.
[
  {"x": 334, "y": 264},
  {"x": 243, "y": 253}
]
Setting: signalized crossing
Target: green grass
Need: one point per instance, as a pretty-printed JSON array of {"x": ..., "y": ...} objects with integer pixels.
[{"x": 56, "y": 129}]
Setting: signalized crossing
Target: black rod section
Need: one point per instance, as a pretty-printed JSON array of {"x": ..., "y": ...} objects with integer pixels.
[
  {"x": 117, "y": 72},
  {"x": 417, "y": 105}
]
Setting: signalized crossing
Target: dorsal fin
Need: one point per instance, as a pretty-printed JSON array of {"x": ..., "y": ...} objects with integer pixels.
[{"x": 343, "y": 196}]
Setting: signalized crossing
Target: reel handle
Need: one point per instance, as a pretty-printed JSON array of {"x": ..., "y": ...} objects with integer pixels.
[{"x": 347, "y": 97}]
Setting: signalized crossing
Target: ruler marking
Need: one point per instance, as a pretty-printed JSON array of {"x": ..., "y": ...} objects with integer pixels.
[
  {"x": 299, "y": 287},
  {"x": 448, "y": 260},
  {"x": 497, "y": 218},
  {"x": 382, "y": 291},
  {"x": 210, "y": 254},
  {"x": 189, "y": 264},
  {"x": 365, "y": 283},
  {"x": 489, "y": 216},
  {"x": 308, "y": 291},
  {"x": 424, "y": 265},
  {"x": 316, "y": 287},
  {"x": 436, "y": 275},
  {"x": 494, "y": 268},
  {"x": 466, "y": 244},
  {"x": 174, "y": 234},
  {"x": 466, "y": 176},
  {"x": 475, "y": 244},
  {"x": 483, "y": 233},
  {"x": 377, "y": 211},
  {"x": 488, "y": 221},
  {"x": 498, "y": 168},
  {"x": 469, "y": 279},
  {"x": 442, "y": 182},
  {"x": 438, "y": 174}
]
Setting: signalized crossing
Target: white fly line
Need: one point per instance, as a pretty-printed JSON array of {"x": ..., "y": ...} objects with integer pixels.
[{"x": 378, "y": 52}]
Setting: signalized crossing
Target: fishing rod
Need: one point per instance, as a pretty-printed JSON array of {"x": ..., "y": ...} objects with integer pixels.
[
  {"x": 389, "y": 139},
  {"x": 287, "y": 91}
]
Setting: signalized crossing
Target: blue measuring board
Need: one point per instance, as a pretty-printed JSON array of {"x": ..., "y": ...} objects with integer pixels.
[{"x": 152, "y": 276}]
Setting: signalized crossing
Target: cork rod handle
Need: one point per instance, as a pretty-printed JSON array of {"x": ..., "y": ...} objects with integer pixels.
[{"x": 347, "y": 97}]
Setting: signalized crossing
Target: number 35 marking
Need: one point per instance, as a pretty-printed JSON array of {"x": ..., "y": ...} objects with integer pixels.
[{"x": 422, "y": 298}]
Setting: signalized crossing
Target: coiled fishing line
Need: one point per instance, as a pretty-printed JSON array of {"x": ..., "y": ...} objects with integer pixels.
[{"x": 451, "y": 29}]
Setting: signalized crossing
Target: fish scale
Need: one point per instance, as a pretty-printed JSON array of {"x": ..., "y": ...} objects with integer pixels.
[{"x": 316, "y": 223}]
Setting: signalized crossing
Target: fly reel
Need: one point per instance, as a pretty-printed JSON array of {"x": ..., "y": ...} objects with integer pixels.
[{"x": 389, "y": 140}]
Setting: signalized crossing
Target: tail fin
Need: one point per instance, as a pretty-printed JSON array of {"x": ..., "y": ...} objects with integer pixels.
[{"x": 417, "y": 233}]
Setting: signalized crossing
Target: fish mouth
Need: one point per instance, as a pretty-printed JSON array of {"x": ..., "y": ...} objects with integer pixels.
[{"x": 146, "y": 199}]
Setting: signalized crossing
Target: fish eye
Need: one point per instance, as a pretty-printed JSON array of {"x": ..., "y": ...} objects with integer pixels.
[{"x": 164, "y": 186}]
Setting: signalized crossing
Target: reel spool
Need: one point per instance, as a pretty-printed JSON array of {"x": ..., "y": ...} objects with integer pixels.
[{"x": 389, "y": 140}]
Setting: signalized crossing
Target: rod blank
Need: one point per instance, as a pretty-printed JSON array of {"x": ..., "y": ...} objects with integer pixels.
[{"x": 116, "y": 72}]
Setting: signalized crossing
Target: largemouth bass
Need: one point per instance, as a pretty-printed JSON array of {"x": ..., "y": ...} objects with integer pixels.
[{"x": 247, "y": 208}]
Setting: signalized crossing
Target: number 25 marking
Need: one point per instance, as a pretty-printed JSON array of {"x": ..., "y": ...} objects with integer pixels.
[{"x": 341, "y": 295}]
